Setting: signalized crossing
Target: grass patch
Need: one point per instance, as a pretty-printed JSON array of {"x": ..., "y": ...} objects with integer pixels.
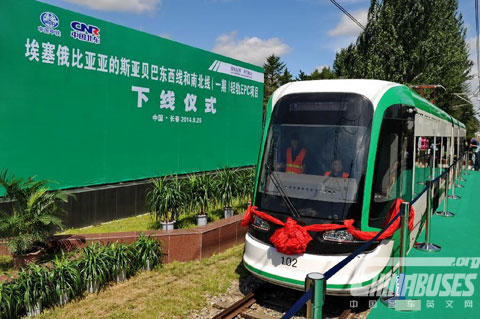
[
  {"x": 172, "y": 291},
  {"x": 146, "y": 222},
  {"x": 6, "y": 263},
  {"x": 135, "y": 223}
]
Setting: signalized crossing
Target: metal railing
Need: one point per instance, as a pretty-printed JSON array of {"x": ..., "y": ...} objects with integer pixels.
[{"x": 316, "y": 283}]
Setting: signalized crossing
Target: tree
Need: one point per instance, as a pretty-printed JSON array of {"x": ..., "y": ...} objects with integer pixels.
[
  {"x": 286, "y": 77},
  {"x": 325, "y": 74},
  {"x": 302, "y": 76},
  {"x": 274, "y": 73},
  {"x": 413, "y": 42},
  {"x": 36, "y": 213}
]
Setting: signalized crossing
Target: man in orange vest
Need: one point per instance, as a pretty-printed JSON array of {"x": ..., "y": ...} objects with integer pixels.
[
  {"x": 337, "y": 170},
  {"x": 295, "y": 156}
]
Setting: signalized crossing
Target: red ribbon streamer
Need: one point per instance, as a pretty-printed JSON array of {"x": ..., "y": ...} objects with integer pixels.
[{"x": 293, "y": 239}]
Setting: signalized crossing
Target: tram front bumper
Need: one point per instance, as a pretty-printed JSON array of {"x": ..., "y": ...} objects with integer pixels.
[{"x": 362, "y": 276}]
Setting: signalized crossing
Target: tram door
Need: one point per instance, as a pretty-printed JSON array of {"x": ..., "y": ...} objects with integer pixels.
[{"x": 392, "y": 177}]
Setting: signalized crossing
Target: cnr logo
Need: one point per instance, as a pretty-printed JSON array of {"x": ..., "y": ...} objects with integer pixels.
[{"x": 87, "y": 28}]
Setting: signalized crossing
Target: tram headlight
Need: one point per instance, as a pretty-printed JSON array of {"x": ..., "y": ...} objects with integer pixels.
[
  {"x": 339, "y": 236},
  {"x": 261, "y": 224}
]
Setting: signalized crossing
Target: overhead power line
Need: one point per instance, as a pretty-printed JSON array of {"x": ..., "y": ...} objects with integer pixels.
[{"x": 350, "y": 16}]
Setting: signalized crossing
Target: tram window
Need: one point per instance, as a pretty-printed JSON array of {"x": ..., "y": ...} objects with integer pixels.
[
  {"x": 423, "y": 160},
  {"x": 310, "y": 136},
  {"x": 394, "y": 163},
  {"x": 421, "y": 156}
]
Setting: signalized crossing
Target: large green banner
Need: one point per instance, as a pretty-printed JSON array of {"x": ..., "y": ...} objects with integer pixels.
[{"x": 86, "y": 102}]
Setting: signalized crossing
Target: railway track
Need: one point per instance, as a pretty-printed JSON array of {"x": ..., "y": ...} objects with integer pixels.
[
  {"x": 345, "y": 314},
  {"x": 240, "y": 308},
  {"x": 241, "y": 305}
]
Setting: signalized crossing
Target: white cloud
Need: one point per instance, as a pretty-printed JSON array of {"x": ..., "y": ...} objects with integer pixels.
[
  {"x": 253, "y": 50},
  {"x": 346, "y": 31},
  {"x": 346, "y": 27},
  {"x": 137, "y": 6}
]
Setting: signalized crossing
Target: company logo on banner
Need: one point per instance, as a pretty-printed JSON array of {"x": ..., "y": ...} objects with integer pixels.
[
  {"x": 85, "y": 32},
  {"x": 238, "y": 71},
  {"x": 50, "y": 22}
]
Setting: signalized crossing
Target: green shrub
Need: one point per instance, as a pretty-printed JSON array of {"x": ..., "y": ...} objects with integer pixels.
[
  {"x": 38, "y": 287},
  {"x": 245, "y": 183},
  {"x": 66, "y": 278},
  {"x": 35, "y": 283},
  {"x": 226, "y": 184},
  {"x": 6, "y": 263},
  {"x": 200, "y": 191},
  {"x": 166, "y": 198},
  {"x": 36, "y": 213},
  {"x": 148, "y": 252},
  {"x": 10, "y": 300},
  {"x": 123, "y": 261},
  {"x": 95, "y": 267}
]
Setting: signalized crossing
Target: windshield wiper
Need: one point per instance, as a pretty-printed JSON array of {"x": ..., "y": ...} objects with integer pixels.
[{"x": 278, "y": 185}]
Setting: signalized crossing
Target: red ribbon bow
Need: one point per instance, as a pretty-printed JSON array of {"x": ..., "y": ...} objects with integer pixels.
[{"x": 293, "y": 239}]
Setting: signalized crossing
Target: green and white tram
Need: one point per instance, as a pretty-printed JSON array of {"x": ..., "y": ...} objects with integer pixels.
[{"x": 334, "y": 150}]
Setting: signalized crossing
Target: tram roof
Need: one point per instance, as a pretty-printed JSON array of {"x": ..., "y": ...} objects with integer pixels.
[
  {"x": 371, "y": 89},
  {"x": 368, "y": 88}
]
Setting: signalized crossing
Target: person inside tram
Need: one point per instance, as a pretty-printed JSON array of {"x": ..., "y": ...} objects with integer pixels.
[
  {"x": 295, "y": 157},
  {"x": 337, "y": 170}
]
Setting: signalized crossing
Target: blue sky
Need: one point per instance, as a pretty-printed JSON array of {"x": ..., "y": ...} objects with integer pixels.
[{"x": 305, "y": 33}]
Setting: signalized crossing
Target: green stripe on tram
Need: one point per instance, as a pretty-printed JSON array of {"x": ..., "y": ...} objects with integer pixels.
[
  {"x": 274, "y": 277},
  {"x": 302, "y": 282}
]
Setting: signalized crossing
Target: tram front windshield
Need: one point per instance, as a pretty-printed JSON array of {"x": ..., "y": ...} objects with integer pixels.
[{"x": 316, "y": 152}]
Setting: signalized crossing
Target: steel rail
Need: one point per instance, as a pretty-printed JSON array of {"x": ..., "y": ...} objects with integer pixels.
[
  {"x": 239, "y": 306},
  {"x": 345, "y": 314}
]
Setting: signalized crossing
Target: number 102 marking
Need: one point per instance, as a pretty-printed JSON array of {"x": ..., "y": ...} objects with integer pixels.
[{"x": 288, "y": 261}]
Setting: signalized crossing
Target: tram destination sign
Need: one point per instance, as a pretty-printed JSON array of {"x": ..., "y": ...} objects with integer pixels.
[{"x": 86, "y": 102}]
